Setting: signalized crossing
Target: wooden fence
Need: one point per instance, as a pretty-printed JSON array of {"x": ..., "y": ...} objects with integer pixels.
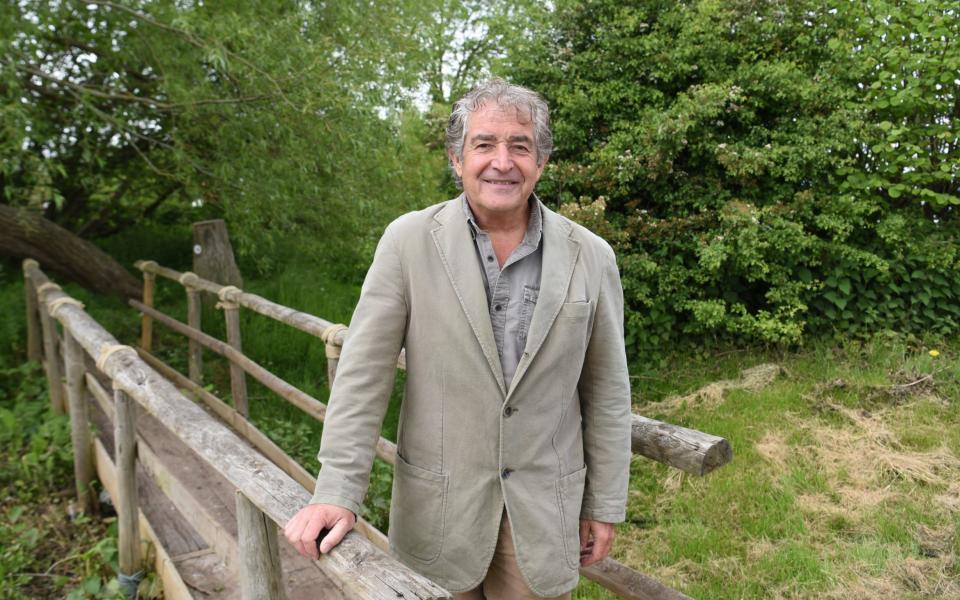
[{"x": 692, "y": 451}]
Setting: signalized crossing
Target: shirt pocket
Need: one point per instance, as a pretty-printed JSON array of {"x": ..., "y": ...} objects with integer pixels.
[{"x": 529, "y": 302}]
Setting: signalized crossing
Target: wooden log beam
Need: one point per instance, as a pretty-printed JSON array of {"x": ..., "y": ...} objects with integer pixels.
[
  {"x": 689, "y": 450},
  {"x": 298, "y": 320},
  {"x": 629, "y": 584},
  {"x": 366, "y": 570},
  {"x": 386, "y": 449}
]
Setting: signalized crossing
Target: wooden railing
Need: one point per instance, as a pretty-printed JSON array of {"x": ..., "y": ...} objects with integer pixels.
[
  {"x": 263, "y": 490},
  {"x": 685, "y": 449}
]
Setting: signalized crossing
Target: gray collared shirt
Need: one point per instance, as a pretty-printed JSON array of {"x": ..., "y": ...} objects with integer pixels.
[{"x": 512, "y": 291}]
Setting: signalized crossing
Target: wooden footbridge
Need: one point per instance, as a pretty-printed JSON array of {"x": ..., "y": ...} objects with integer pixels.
[{"x": 200, "y": 491}]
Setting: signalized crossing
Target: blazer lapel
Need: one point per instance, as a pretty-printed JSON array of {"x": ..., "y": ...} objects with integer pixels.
[
  {"x": 560, "y": 253},
  {"x": 453, "y": 241}
]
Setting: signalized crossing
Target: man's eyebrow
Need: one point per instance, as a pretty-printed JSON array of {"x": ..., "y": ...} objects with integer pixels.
[
  {"x": 483, "y": 137},
  {"x": 489, "y": 137}
]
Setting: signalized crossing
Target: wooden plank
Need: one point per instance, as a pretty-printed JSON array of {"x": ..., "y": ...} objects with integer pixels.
[
  {"x": 628, "y": 583},
  {"x": 689, "y": 450},
  {"x": 128, "y": 506},
  {"x": 260, "y": 558},
  {"x": 173, "y": 586},
  {"x": 171, "y": 529},
  {"x": 79, "y": 424}
]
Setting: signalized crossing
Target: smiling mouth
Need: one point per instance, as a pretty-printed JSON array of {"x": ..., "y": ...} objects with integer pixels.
[{"x": 501, "y": 181}]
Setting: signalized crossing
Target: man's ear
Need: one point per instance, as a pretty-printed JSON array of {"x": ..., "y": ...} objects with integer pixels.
[
  {"x": 455, "y": 161},
  {"x": 542, "y": 164}
]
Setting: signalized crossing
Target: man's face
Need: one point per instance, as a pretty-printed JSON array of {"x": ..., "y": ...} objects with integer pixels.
[{"x": 499, "y": 167}]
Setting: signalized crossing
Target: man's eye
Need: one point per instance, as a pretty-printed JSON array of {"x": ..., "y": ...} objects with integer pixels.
[{"x": 521, "y": 149}]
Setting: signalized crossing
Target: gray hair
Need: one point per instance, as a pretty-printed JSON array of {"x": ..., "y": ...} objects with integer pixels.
[{"x": 528, "y": 104}]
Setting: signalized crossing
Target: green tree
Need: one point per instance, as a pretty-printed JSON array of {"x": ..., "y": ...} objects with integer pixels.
[
  {"x": 735, "y": 152},
  {"x": 278, "y": 116}
]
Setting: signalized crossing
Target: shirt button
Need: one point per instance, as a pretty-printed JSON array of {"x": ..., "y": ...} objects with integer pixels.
[
  {"x": 506, "y": 473},
  {"x": 489, "y": 258},
  {"x": 508, "y": 411},
  {"x": 497, "y": 307}
]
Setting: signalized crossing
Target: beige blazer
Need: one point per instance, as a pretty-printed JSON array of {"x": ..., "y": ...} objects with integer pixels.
[{"x": 552, "y": 449}]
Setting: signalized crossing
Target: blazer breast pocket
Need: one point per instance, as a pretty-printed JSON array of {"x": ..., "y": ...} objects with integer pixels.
[{"x": 575, "y": 310}]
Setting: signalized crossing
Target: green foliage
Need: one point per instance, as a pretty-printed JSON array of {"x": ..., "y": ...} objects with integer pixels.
[
  {"x": 766, "y": 170},
  {"x": 42, "y": 553},
  {"x": 277, "y": 116}
]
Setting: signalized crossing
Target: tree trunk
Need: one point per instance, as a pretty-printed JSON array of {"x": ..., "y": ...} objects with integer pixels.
[
  {"x": 25, "y": 234},
  {"x": 213, "y": 254}
]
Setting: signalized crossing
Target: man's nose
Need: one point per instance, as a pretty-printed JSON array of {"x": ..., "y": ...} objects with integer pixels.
[{"x": 501, "y": 158}]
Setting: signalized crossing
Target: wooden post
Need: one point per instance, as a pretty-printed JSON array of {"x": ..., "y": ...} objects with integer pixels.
[
  {"x": 52, "y": 361},
  {"x": 127, "y": 503},
  {"x": 330, "y": 337},
  {"x": 260, "y": 575},
  {"x": 79, "y": 422},
  {"x": 194, "y": 311},
  {"x": 34, "y": 351},
  {"x": 238, "y": 379},
  {"x": 332, "y": 362},
  {"x": 146, "y": 322}
]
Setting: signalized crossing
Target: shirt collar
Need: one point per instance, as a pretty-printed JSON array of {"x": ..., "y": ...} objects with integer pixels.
[{"x": 534, "y": 224}]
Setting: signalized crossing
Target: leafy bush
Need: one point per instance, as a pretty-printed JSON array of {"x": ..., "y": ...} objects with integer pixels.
[{"x": 766, "y": 171}]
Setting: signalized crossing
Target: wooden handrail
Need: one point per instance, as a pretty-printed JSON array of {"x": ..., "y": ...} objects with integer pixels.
[
  {"x": 358, "y": 564},
  {"x": 689, "y": 450}
]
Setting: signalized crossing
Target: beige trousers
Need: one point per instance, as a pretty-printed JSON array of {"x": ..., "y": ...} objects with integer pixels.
[{"x": 504, "y": 580}]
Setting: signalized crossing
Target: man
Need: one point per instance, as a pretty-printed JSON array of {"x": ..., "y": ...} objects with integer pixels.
[{"x": 514, "y": 439}]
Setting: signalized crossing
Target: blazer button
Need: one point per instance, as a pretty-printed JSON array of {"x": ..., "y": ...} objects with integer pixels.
[
  {"x": 506, "y": 473},
  {"x": 508, "y": 411}
]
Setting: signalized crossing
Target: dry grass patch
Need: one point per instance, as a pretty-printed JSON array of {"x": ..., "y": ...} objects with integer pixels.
[{"x": 753, "y": 379}]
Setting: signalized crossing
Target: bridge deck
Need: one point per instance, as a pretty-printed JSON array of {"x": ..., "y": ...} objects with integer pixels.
[{"x": 190, "y": 509}]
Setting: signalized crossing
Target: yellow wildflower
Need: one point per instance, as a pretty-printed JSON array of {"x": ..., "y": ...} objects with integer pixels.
[{"x": 934, "y": 353}]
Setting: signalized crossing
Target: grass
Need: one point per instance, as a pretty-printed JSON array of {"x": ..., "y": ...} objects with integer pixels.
[{"x": 844, "y": 482}]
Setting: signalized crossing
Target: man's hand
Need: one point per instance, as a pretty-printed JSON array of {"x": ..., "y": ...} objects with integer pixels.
[
  {"x": 596, "y": 538},
  {"x": 302, "y": 530}
]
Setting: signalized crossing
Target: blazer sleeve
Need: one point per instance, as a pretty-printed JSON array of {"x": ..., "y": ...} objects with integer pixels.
[
  {"x": 364, "y": 381},
  {"x": 604, "y": 389}
]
